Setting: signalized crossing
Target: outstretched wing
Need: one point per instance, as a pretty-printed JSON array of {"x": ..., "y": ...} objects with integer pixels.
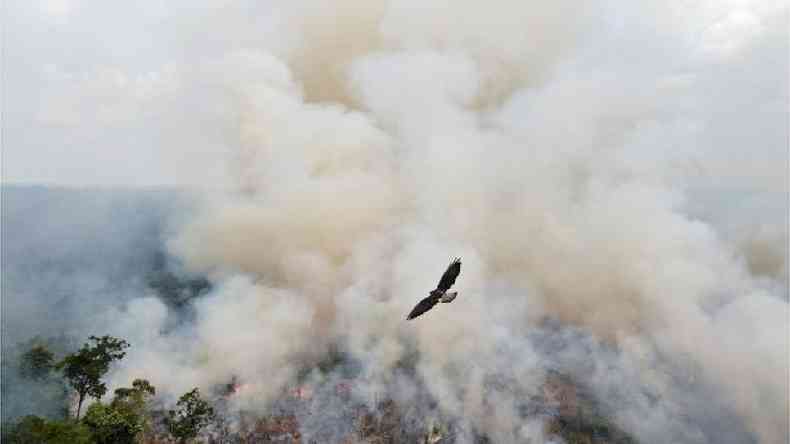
[
  {"x": 448, "y": 278},
  {"x": 423, "y": 306}
]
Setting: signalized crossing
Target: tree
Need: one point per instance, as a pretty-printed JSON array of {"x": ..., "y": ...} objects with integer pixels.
[
  {"x": 124, "y": 418},
  {"x": 192, "y": 413},
  {"x": 85, "y": 368},
  {"x": 36, "y": 363},
  {"x": 141, "y": 389},
  {"x": 109, "y": 425},
  {"x": 36, "y": 430},
  {"x": 133, "y": 402},
  {"x": 28, "y": 383}
]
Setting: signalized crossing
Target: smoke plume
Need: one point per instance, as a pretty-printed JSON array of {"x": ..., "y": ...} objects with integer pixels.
[{"x": 567, "y": 152}]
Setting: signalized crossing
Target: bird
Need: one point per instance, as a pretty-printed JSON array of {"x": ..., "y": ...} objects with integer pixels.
[{"x": 439, "y": 294}]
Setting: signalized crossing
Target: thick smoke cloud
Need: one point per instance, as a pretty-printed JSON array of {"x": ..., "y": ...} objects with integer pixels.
[
  {"x": 568, "y": 153},
  {"x": 69, "y": 254}
]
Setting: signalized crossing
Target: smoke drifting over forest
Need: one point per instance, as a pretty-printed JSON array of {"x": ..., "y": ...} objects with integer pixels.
[{"x": 612, "y": 174}]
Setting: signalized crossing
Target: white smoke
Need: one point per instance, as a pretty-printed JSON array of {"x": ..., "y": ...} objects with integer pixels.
[{"x": 552, "y": 146}]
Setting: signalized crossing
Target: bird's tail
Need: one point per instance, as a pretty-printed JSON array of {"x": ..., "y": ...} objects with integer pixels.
[{"x": 448, "y": 297}]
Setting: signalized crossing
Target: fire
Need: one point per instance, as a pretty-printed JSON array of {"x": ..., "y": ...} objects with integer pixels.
[{"x": 302, "y": 392}]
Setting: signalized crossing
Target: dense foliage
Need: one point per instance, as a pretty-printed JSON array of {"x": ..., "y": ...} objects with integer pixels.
[
  {"x": 124, "y": 418},
  {"x": 192, "y": 413},
  {"x": 35, "y": 430}
]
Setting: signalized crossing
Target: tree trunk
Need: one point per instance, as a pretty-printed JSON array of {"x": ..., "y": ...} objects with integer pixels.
[{"x": 79, "y": 405}]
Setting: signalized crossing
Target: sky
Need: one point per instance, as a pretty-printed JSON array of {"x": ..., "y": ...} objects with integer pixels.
[
  {"x": 92, "y": 93},
  {"x": 104, "y": 93}
]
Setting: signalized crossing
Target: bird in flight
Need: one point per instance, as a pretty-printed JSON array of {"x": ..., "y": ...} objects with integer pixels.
[{"x": 440, "y": 294}]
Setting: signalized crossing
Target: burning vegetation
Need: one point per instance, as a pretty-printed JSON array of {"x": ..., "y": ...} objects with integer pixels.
[{"x": 323, "y": 408}]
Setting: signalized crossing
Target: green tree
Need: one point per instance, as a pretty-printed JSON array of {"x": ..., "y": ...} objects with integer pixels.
[
  {"x": 192, "y": 413},
  {"x": 140, "y": 390},
  {"x": 124, "y": 418},
  {"x": 85, "y": 368},
  {"x": 36, "y": 363},
  {"x": 36, "y": 430},
  {"x": 133, "y": 401},
  {"x": 109, "y": 425}
]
